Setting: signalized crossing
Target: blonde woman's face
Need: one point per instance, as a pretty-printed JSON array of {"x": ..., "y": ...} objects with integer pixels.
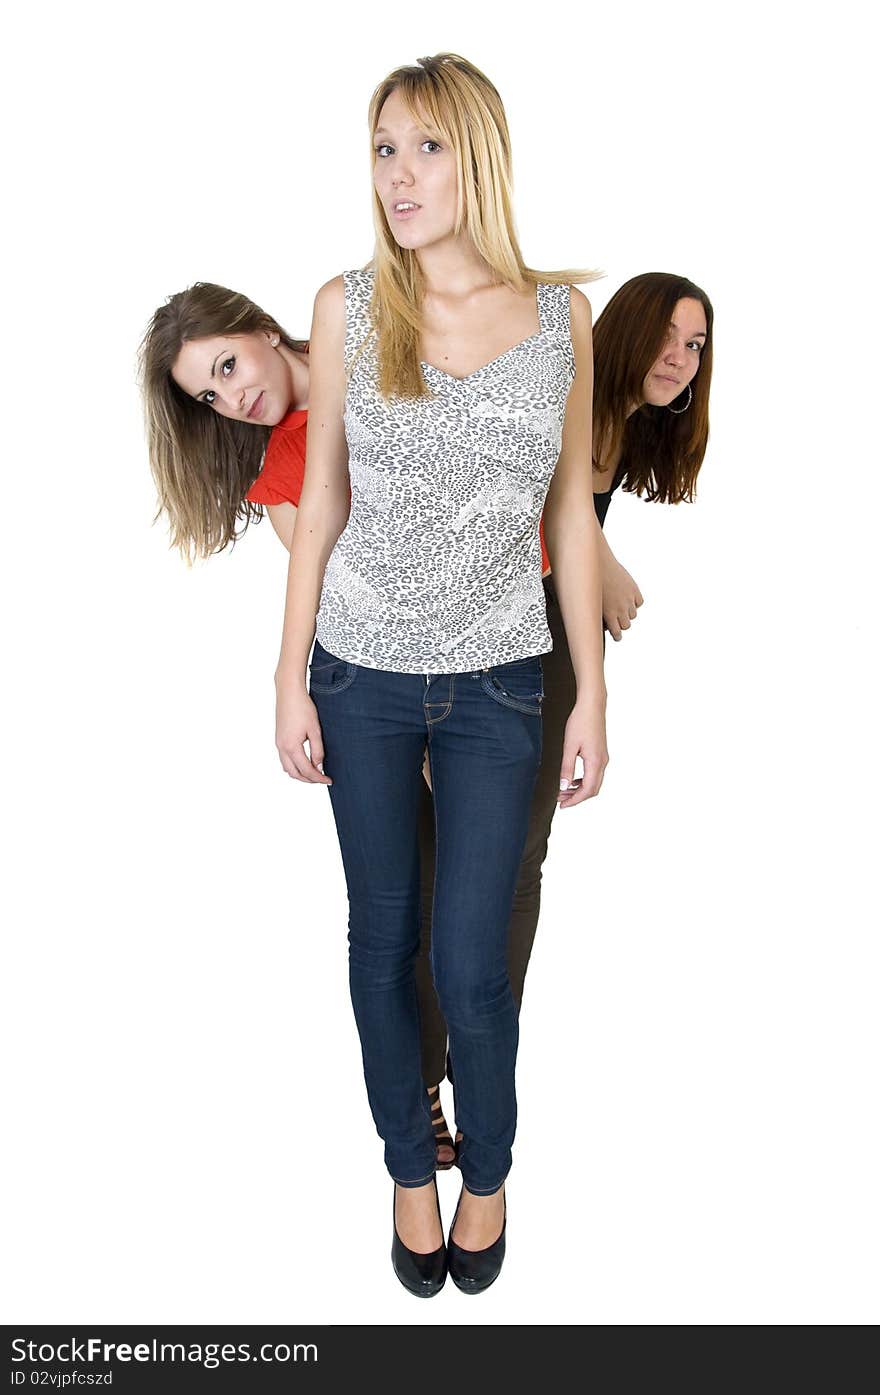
[
  {"x": 416, "y": 178},
  {"x": 242, "y": 376},
  {"x": 679, "y": 358}
]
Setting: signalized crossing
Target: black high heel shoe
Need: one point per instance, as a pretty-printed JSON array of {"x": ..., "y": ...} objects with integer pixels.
[
  {"x": 423, "y": 1275},
  {"x": 473, "y": 1271}
]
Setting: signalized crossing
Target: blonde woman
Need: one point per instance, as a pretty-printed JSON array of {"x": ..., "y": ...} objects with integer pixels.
[{"x": 450, "y": 392}]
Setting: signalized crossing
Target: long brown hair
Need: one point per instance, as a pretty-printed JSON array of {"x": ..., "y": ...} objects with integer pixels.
[
  {"x": 461, "y": 107},
  {"x": 660, "y": 452},
  {"x": 203, "y": 464}
]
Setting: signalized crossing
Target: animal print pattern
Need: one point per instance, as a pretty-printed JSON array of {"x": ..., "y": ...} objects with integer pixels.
[{"x": 438, "y": 569}]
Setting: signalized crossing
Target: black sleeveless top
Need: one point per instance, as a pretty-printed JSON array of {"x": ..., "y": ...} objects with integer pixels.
[
  {"x": 600, "y": 504},
  {"x": 601, "y": 501}
]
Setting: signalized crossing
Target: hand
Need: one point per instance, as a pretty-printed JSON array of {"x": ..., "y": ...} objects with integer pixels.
[
  {"x": 621, "y": 598},
  {"x": 296, "y": 721},
  {"x": 584, "y": 737}
]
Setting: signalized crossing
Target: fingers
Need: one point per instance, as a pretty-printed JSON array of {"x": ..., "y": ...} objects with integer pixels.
[
  {"x": 627, "y": 612},
  {"x": 296, "y": 763},
  {"x": 589, "y": 785},
  {"x": 568, "y": 784},
  {"x": 316, "y": 745}
]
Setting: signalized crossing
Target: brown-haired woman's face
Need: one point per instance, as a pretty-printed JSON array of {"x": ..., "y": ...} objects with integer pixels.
[
  {"x": 242, "y": 376},
  {"x": 679, "y": 359}
]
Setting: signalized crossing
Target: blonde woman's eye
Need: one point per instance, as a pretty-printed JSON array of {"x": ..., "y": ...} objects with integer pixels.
[
  {"x": 382, "y": 148},
  {"x": 227, "y": 367},
  {"x": 430, "y": 142}
]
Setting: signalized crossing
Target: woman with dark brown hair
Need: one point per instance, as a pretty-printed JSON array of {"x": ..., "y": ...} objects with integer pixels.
[{"x": 652, "y": 352}]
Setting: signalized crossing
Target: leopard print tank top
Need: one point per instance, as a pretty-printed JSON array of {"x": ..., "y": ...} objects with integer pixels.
[{"x": 438, "y": 569}]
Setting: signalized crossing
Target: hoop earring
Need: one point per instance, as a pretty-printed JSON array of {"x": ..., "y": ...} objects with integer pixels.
[{"x": 677, "y": 411}]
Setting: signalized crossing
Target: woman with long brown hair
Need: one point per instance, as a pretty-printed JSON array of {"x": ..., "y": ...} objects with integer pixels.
[
  {"x": 652, "y": 351},
  {"x": 225, "y": 392}
]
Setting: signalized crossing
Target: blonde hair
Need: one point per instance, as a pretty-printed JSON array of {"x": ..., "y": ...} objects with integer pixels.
[
  {"x": 203, "y": 464},
  {"x": 460, "y": 105}
]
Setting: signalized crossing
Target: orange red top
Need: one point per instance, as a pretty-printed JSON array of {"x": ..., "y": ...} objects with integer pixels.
[
  {"x": 545, "y": 560},
  {"x": 284, "y": 467}
]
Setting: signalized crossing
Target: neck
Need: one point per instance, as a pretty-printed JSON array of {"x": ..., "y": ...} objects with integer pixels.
[
  {"x": 609, "y": 462},
  {"x": 298, "y": 369},
  {"x": 453, "y": 266}
]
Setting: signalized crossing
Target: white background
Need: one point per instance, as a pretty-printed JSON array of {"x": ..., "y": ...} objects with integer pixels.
[{"x": 189, "y": 1138}]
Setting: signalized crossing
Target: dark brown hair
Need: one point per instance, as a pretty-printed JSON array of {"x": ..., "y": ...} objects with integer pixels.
[
  {"x": 203, "y": 464},
  {"x": 660, "y": 451}
]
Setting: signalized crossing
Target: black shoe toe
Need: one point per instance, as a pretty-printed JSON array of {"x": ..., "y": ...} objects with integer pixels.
[
  {"x": 423, "y": 1275},
  {"x": 472, "y": 1271}
]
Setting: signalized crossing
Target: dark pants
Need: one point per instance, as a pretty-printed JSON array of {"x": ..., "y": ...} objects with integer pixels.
[
  {"x": 483, "y": 731},
  {"x": 560, "y": 692}
]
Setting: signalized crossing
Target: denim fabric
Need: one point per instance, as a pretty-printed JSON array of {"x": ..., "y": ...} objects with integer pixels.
[
  {"x": 483, "y": 729},
  {"x": 560, "y": 695}
]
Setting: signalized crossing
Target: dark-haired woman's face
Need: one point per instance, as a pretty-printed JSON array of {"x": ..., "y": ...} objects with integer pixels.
[
  {"x": 679, "y": 358},
  {"x": 242, "y": 376}
]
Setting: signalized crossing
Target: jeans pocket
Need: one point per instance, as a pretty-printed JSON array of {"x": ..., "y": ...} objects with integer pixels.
[
  {"x": 327, "y": 674},
  {"x": 519, "y": 685}
]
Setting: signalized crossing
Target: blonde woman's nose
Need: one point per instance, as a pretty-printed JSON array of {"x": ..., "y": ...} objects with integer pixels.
[{"x": 401, "y": 175}]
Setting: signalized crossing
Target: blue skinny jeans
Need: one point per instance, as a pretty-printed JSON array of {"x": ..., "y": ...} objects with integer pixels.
[{"x": 483, "y": 730}]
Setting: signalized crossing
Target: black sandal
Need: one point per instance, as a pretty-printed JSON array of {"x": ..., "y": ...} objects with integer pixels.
[{"x": 442, "y": 1137}]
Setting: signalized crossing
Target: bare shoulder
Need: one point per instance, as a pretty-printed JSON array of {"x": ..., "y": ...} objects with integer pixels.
[
  {"x": 581, "y": 310},
  {"x": 328, "y": 318},
  {"x": 330, "y": 300}
]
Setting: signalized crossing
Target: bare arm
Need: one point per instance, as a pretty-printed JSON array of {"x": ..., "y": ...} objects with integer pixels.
[
  {"x": 283, "y": 520},
  {"x": 570, "y": 534},
  {"x": 621, "y": 596},
  {"x": 322, "y": 516}
]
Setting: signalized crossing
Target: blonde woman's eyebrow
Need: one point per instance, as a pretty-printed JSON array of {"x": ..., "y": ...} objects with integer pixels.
[{"x": 422, "y": 130}]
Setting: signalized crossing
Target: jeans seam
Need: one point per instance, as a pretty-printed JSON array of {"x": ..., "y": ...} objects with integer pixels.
[
  {"x": 416, "y": 1182},
  {"x": 504, "y": 701},
  {"x": 484, "y": 1191},
  {"x": 335, "y": 687},
  {"x": 432, "y": 721}
]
